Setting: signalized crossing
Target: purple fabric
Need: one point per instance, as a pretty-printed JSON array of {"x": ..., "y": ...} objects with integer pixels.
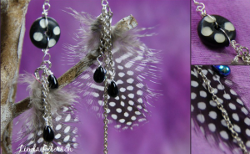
[
  {"x": 234, "y": 11},
  {"x": 168, "y": 129},
  {"x": 240, "y": 76}
]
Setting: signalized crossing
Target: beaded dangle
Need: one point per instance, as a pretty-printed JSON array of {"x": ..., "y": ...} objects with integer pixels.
[
  {"x": 218, "y": 32},
  {"x": 108, "y": 72},
  {"x": 118, "y": 85}
]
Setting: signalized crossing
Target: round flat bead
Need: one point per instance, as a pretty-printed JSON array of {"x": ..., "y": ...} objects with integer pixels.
[
  {"x": 53, "y": 83},
  {"x": 48, "y": 134},
  {"x": 210, "y": 33},
  {"x": 113, "y": 89},
  {"x": 39, "y": 29},
  {"x": 222, "y": 70},
  {"x": 99, "y": 74}
]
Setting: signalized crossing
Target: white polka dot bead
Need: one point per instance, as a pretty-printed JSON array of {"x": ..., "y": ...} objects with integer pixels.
[
  {"x": 39, "y": 35},
  {"x": 210, "y": 33}
]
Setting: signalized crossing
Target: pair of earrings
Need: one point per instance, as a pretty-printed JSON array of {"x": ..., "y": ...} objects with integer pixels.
[{"x": 120, "y": 44}]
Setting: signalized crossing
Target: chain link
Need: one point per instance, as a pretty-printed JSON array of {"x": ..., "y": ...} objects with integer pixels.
[
  {"x": 200, "y": 8},
  {"x": 242, "y": 52},
  {"x": 46, "y": 7},
  {"x": 224, "y": 113}
]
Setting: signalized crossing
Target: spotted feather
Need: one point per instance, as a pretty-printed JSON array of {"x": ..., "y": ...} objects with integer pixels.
[
  {"x": 208, "y": 119},
  {"x": 134, "y": 64},
  {"x": 63, "y": 116}
]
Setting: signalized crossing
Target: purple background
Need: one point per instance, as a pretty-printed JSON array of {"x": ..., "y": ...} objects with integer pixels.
[
  {"x": 168, "y": 129},
  {"x": 239, "y": 75},
  {"x": 235, "y": 11}
]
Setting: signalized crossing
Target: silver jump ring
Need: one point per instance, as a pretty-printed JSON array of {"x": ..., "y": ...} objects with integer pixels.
[{"x": 46, "y": 7}]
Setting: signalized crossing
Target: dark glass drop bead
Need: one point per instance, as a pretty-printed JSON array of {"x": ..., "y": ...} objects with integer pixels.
[
  {"x": 53, "y": 83},
  {"x": 222, "y": 70},
  {"x": 113, "y": 89},
  {"x": 48, "y": 134},
  {"x": 99, "y": 74}
]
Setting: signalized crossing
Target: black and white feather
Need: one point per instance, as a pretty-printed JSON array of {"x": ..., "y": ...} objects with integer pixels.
[
  {"x": 63, "y": 117},
  {"x": 135, "y": 66},
  {"x": 207, "y": 118}
]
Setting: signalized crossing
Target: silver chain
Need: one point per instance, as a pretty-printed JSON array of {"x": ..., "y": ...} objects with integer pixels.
[
  {"x": 45, "y": 91},
  {"x": 44, "y": 81},
  {"x": 105, "y": 50},
  {"x": 224, "y": 113}
]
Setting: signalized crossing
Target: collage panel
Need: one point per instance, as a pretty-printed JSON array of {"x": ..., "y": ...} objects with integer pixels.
[
  {"x": 93, "y": 77},
  {"x": 220, "y": 109},
  {"x": 219, "y": 34},
  {"x": 219, "y": 78}
]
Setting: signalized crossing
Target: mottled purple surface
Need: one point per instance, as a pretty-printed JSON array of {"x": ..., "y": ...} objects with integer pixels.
[
  {"x": 234, "y": 11},
  {"x": 168, "y": 129},
  {"x": 239, "y": 75}
]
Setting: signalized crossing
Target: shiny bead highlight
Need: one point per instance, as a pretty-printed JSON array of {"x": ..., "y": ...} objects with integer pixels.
[
  {"x": 53, "y": 83},
  {"x": 48, "y": 134},
  {"x": 222, "y": 70},
  {"x": 99, "y": 74}
]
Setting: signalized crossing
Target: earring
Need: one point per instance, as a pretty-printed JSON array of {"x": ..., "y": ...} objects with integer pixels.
[
  {"x": 217, "y": 32},
  {"x": 217, "y": 109},
  {"x": 118, "y": 83},
  {"x": 51, "y": 107}
]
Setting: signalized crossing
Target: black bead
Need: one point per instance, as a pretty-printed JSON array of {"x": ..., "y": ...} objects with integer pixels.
[
  {"x": 48, "y": 134},
  {"x": 113, "y": 89},
  {"x": 99, "y": 74},
  {"x": 210, "y": 33},
  {"x": 53, "y": 83},
  {"x": 38, "y": 30}
]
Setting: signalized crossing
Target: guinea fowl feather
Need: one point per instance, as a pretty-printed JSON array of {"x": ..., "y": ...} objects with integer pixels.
[
  {"x": 208, "y": 119},
  {"x": 63, "y": 115},
  {"x": 135, "y": 64}
]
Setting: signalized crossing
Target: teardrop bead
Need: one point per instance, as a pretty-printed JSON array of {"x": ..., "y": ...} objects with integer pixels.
[
  {"x": 113, "y": 89},
  {"x": 48, "y": 134},
  {"x": 53, "y": 83},
  {"x": 99, "y": 74},
  {"x": 222, "y": 70}
]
